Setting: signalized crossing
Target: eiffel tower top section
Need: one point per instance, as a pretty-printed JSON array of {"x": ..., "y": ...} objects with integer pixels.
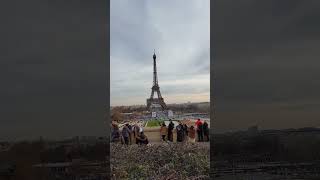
[{"x": 155, "y": 76}]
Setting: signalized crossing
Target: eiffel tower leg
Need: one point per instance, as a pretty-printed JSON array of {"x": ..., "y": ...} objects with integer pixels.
[{"x": 159, "y": 94}]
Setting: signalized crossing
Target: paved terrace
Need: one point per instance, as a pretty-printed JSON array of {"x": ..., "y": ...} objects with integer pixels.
[{"x": 153, "y": 134}]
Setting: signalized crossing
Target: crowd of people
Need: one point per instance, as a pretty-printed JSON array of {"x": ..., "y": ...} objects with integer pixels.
[
  {"x": 185, "y": 133},
  {"x": 128, "y": 134},
  {"x": 131, "y": 134}
]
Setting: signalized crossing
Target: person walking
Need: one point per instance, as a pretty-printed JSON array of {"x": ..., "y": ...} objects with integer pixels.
[
  {"x": 170, "y": 131},
  {"x": 163, "y": 131},
  {"x": 206, "y": 131},
  {"x": 192, "y": 135}
]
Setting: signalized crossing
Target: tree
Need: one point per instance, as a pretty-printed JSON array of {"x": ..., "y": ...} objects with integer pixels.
[{"x": 117, "y": 116}]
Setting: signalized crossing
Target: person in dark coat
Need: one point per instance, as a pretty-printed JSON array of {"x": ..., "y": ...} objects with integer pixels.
[
  {"x": 170, "y": 131},
  {"x": 180, "y": 132},
  {"x": 199, "y": 125},
  {"x": 131, "y": 133},
  {"x": 185, "y": 127},
  {"x": 206, "y": 131},
  {"x": 136, "y": 130},
  {"x": 126, "y": 134},
  {"x": 142, "y": 138},
  {"x": 115, "y": 135}
]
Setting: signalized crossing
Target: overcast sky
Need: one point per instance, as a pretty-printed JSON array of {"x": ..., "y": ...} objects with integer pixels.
[{"x": 179, "y": 31}]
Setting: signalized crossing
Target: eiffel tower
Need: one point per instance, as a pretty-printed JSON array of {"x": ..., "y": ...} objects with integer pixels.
[{"x": 156, "y": 88}]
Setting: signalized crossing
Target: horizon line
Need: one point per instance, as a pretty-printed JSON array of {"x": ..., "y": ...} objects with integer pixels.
[{"x": 167, "y": 104}]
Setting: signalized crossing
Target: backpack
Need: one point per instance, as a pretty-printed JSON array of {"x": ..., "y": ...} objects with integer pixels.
[{"x": 179, "y": 128}]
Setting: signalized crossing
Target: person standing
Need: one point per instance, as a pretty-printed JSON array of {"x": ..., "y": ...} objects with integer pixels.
[
  {"x": 130, "y": 134},
  {"x": 192, "y": 135},
  {"x": 115, "y": 135},
  {"x": 185, "y": 128},
  {"x": 163, "y": 131},
  {"x": 180, "y": 132},
  {"x": 170, "y": 131},
  {"x": 126, "y": 134},
  {"x": 199, "y": 126},
  {"x": 206, "y": 131},
  {"x": 136, "y": 130}
]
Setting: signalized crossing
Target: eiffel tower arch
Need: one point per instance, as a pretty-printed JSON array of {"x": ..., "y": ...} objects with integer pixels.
[{"x": 156, "y": 102}]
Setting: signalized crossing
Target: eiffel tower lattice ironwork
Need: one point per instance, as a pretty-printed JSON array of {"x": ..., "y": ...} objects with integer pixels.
[{"x": 156, "y": 88}]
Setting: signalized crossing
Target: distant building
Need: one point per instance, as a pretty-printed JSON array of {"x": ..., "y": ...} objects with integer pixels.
[
  {"x": 127, "y": 116},
  {"x": 194, "y": 115},
  {"x": 170, "y": 113}
]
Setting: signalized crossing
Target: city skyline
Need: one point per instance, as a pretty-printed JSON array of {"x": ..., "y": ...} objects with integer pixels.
[{"x": 181, "y": 40}]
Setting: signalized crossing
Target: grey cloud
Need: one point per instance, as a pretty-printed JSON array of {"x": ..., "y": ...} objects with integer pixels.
[{"x": 179, "y": 34}]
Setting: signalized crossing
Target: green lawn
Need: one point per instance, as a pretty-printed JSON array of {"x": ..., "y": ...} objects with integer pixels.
[{"x": 154, "y": 123}]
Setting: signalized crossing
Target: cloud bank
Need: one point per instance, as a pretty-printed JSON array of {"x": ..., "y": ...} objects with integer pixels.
[{"x": 180, "y": 34}]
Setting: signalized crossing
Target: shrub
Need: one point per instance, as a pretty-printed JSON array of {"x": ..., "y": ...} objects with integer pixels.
[{"x": 160, "y": 161}]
